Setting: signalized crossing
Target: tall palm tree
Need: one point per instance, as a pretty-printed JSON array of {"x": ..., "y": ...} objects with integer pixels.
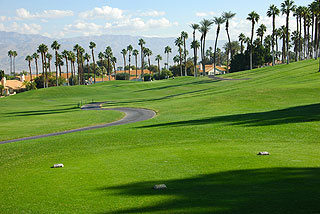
[
  {"x": 10, "y": 54},
  {"x": 87, "y": 58},
  {"x": 261, "y": 31},
  {"x": 65, "y": 54},
  {"x": 49, "y": 57},
  {"x": 101, "y": 58},
  {"x": 124, "y": 53},
  {"x": 35, "y": 56},
  {"x": 14, "y": 54},
  {"x": 60, "y": 63},
  {"x": 130, "y": 49},
  {"x": 178, "y": 42},
  {"x": 114, "y": 61},
  {"x": 72, "y": 58},
  {"x": 295, "y": 39},
  {"x": 242, "y": 39},
  {"x": 108, "y": 54},
  {"x": 141, "y": 44},
  {"x": 43, "y": 49},
  {"x": 56, "y": 46},
  {"x": 135, "y": 54},
  {"x": 227, "y": 16},
  {"x": 278, "y": 35},
  {"x": 218, "y": 21},
  {"x": 147, "y": 52},
  {"x": 195, "y": 46},
  {"x": 77, "y": 49},
  {"x": 167, "y": 50},
  {"x": 283, "y": 33},
  {"x": 273, "y": 11},
  {"x": 184, "y": 36},
  {"x": 296, "y": 13},
  {"x": 205, "y": 26},
  {"x": 254, "y": 18},
  {"x": 29, "y": 60},
  {"x": 194, "y": 27},
  {"x": 92, "y": 46},
  {"x": 286, "y": 7},
  {"x": 158, "y": 59}
]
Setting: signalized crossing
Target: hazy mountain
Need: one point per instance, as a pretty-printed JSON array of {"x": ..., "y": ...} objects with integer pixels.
[{"x": 27, "y": 45}]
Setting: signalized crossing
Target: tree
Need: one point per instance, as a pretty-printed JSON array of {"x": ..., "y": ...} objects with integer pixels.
[
  {"x": 10, "y": 54},
  {"x": 135, "y": 54},
  {"x": 101, "y": 58},
  {"x": 87, "y": 57},
  {"x": 184, "y": 36},
  {"x": 295, "y": 39},
  {"x": 130, "y": 49},
  {"x": 178, "y": 42},
  {"x": 124, "y": 54},
  {"x": 273, "y": 11},
  {"x": 35, "y": 56},
  {"x": 227, "y": 16},
  {"x": 114, "y": 61},
  {"x": 283, "y": 33},
  {"x": 108, "y": 54},
  {"x": 167, "y": 50},
  {"x": 286, "y": 7},
  {"x": 29, "y": 59},
  {"x": 141, "y": 44},
  {"x": 158, "y": 59},
  {"x": 195, "y": 46},
  {"x": 92, "y": 46},
  {"x": 43, "y": 49},
  {"x": 56, "y": 46},
  {"x": 65, "y": 54},
  {"x": 261, "y": 31},
  {"x": 254, "y": 18},
  {"x": 147, "y": 52},
  {"x": 72, "y": 58},
  {"x": 195, "y": 27},
  {"x": 49, "y": 57},
  {"x": 218, "y": 21},
  {"x": 14, "y": 54},
  {"x": 204, "y": 29},
  {"x": 242, "y": 39}
]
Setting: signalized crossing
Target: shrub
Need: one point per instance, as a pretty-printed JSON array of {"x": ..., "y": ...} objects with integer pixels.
[
  {"x": 122, "y": 76},
  {"x": 30, "y": 85},
  {"x": 164, "y": 74}
]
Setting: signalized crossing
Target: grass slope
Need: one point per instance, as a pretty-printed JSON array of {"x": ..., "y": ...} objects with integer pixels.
[{"x": 202, "y": 144}]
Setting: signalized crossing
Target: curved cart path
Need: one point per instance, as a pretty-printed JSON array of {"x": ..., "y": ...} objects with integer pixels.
[{"x": 133, "y": 115}]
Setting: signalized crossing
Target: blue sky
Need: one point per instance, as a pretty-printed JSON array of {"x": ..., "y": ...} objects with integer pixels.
[{"x": 68, "y": 18}]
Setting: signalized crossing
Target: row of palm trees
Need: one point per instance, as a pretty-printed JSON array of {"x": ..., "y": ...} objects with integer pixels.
[{"x": 12, "y": 54}]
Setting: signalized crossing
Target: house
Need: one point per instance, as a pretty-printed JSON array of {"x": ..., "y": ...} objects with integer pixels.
[
  {"x": 11, "y": 87},
  {"x": 210, "y": 70}
]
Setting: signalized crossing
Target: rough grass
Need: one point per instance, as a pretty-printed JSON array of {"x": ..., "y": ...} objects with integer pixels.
[{"x": 202, "y": 145}]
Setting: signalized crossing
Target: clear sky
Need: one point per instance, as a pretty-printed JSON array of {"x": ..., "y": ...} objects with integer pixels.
[{"x": 165, "y": 18}]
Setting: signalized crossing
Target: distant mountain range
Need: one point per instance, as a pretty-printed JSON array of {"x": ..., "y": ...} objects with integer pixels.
[{"x": 27, "y": 44}]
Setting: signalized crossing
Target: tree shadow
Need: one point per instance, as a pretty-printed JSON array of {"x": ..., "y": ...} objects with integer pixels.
[
  {"x": 199, "y": 82},
  {"x": 42, "y": 112},
  {"x": 263, "y": 191},
  {"x": 298, "y": 114}
]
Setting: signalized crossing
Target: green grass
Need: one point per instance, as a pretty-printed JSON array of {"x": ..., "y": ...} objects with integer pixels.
[{"x": 202, "y": 145}]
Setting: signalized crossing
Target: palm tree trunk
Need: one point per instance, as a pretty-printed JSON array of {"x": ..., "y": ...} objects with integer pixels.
[
  {"x": 129, "y": 66},
  {"x": 203, "y": 59},
  {"x": 230, "y": 49},
  {"x": 287, "y": 40},
  {"x": 273, "y": 33},
  {"x": 37, "y": 73},
  {"x": 251, "y": 48},
  {"x": 215, "y": 50},
  {"x": 57, "y": 68},
  {"x": 67, "y": 71},
  {"x": 185, "y": 57},
  {"x": 136, "y": 67},
  {"x": 316, "y": 39},
  {"x": 180, "y": 62},
  {"x": 94, "y": 66},
  {"x": 30, "y": 71}
]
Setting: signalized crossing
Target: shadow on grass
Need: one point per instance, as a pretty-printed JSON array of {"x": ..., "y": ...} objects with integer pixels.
[
  {"x": 178, "y": 85},
  {"x": 298, "y": 114},
  {"x": 42, "y": 112},
  {"x": 263, "y": 191}
]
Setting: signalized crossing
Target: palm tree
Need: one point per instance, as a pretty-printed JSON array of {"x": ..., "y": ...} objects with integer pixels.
[
  {"x": 29, "y": 59},
  {"x": 72, "y": 58},
  {"x": 130, "y": 49},
  {"x": 87, "y": 57},
  {"x": 254, "y": 18},
  {"x": 49, "y": 57},
  {"x": 56, "y": 46},
  {"x": 14, "y": 54},
  {"x": 195, "y": 46},
  {"x": 60, "y": 63},
  {"x": 295, "y": 38},
  {"x": 10, "y": 54},
  {"x": 176, "y": 59},
  {"x": 227, "y": 16},
  {"x": 109, "y": 55},
  {"x": 147, "y": 52},
  {"x": 273, "y": 11},
  {"x": 101, "y": 58},
  {"x": 218, "y": 21},
  {"x": 124, "y": 53},
  {"x": 195, "y": 27},
  {"x": 77, "y": 49},
  {"x": 261, "y": 31},
  {"x": 283, "y": 33},
  {"x": 141, "y": 44},
  {"x": 114, "y": 61},
  {"x": 43, "y": 49},
  {"x": 158, "y": 59},
  {"x": 286, "y": 7},
  {"x": 35, "y": 56},
  {"x": 65, "y": 54},
  {"x": 242, "y": 39},
  {"x": 135, "y": 54},
  {"x": 278, "y": 35},
  {"x": 204, "y": 29},
  {"x": 184, "y": 36},
  {"x": 92, "y": 46},
  {"x": 179, "y": 43},
  {"x": 167, "y": 50}
]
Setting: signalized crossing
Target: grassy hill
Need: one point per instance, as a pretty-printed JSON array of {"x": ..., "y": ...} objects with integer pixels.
[{"x": 202, "y": 145}]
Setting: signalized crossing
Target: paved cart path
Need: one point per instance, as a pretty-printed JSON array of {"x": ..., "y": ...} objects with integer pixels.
[{"x": 133, "y": 115}]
